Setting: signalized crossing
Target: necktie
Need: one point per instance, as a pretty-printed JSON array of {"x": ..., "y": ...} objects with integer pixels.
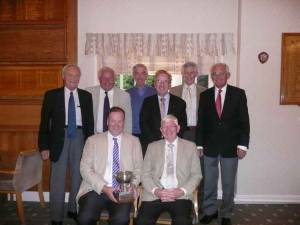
[
  {"x": 162, "y": 107},
  {"x": 116, "y": 164},
  {"x": 218, "y": 103},
  {"x": 71, "y": 132},
  {"x": 105, "y": 111},
  {"x": 170, "y": 161}
]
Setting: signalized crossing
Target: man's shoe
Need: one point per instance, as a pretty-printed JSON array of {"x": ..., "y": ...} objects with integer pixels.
[
  {"x": 206, "y": 219},
  {"x": 56, "y": 223},
  {"x": 72, "y": 215},
  {"x": 226, "y": 221}
]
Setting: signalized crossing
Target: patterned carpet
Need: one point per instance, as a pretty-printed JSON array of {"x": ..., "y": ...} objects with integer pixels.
[{"x": 243, "y": 215}]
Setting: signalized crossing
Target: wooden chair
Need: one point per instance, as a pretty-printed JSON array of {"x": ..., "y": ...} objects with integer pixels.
[
  {"x": 165, "y": 217},
  {"x": 27, "y": 173}
]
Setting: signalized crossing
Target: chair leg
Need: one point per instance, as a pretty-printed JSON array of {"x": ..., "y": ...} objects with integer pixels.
[
  {"x": 20, "y": 207},
  {"x": 41, "y": 195}
]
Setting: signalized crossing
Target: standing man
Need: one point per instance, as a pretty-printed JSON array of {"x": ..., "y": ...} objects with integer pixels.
[
  {"x": 171, "y": 172},
  {"x": 66, "y": 121},
  {"x": 190, "y": 92},
  {"x": 137, "y": 94},
  {"x": 158, "y": 106},
  {"x": 105, "y": 96},
  {"x": 105, "y": 154},
  {"x": 223, "y": 134}
]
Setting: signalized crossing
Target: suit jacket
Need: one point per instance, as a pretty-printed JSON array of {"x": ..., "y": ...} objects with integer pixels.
[
  {"x": 150, "y": 117},
  {"x": 94, "y": 159},
  {"x": 120, "y": 98},
  {"x": 52, "y": 126},
  {"x": 177, "y": 90},
  {"x": 223, "y": 135},
  {"x": 188, "y": 170}
]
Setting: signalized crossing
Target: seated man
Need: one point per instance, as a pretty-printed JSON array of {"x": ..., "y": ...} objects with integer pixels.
[
  {"x": 171, "y": 172},
  {"x": 104, "y": 154}
]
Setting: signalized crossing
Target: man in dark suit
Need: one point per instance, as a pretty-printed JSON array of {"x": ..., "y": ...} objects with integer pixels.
[
  {"x": 66, "y": 121},
  {"x": 223, "y": 136},
  {"x": 158, "y": 106}
]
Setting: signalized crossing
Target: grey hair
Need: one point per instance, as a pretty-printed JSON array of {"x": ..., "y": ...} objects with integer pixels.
[
  {"x": 189, "y": 64},
  {"x": 64, "y": 69},
  {"x": 220, "y": 64},
  {"x": 168, "y": 118},
  {"x": 134, "y": 68},
  {"x": 106, "y": 69}
]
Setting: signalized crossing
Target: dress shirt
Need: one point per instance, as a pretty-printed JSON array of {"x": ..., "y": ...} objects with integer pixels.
[
  {"x": 109, "y": 162},
  {"x": 191, "y": 103},
  {"x": 170, "y": 183},
  {"x": 110, "y": 93},
  {"x": 77, "y": 106},
  {"x": 167, "y": 100}
]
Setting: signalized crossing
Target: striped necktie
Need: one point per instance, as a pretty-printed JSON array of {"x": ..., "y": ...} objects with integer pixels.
[{"x": 116, "y": 164}]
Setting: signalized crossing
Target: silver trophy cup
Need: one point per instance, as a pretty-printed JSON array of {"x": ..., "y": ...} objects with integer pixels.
[{"x": 124, "y": 194}]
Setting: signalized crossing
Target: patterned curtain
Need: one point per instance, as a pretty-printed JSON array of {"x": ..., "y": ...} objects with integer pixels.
[{"x": 159, "y": 51}]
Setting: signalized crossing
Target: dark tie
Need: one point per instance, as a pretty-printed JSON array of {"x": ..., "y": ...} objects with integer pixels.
[
  {"x": 105, "y": 111},
  {"x": 71, "y": 117},
  {"x": 116, "y": 164},
  {"x": 219, "y": 103}
]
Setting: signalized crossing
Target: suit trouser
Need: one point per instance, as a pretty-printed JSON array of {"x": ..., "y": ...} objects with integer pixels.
[
  {"x": 91, "y": 204},
  {"x": 228, "y": 174},
  {"x": 180, "y": 212},
  {"x": 69, "y": 158}
]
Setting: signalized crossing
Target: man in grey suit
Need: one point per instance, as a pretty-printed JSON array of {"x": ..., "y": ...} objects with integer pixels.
[
  {"x": 105, "y": 154},
  {"x": 171, "y": 172},
  {"x": 105, "y": 96}
]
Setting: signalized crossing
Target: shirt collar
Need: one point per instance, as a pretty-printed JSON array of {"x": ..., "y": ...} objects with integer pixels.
[{"x": 68, "y": 91}]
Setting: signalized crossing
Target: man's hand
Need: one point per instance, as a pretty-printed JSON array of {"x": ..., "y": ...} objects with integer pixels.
[
  {"x": 45, "y": 154},
  {"x": 135, "y": 191},
  {"x": 241, "y": 153},
  {"x": 167, "y": 195},
  {"x": 109, "y": 192}
]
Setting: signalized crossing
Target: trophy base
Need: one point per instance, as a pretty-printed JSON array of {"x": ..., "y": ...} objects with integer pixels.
[{"x": 124, "y": 197}]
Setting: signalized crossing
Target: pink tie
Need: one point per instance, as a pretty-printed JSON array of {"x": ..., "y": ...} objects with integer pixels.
[{"x": 219, "y": 103}]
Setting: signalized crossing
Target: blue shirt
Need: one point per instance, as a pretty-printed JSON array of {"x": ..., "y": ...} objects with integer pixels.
[{"x": 137, "y": 96}]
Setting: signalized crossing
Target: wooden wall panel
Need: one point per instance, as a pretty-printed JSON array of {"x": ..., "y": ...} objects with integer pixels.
[
  {"x": 33, "y": 43},
  {"x": 32, "y": 10},
  {"x": 29, "y": 80},
  {"x": 37, "y": 38}
]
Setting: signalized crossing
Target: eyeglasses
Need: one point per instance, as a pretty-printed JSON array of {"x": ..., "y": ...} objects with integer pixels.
[{"x": 218, "y": 74}]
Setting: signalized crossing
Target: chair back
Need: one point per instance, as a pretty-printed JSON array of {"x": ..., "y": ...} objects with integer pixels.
[{"x": 28, "y": 171}]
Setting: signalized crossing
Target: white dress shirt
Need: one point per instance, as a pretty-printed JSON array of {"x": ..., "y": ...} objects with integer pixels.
[
  {"x": 109, "y": 162},
  {"x": 167, "y": 181},
  {"x": 77, "y": 106},
  {"x": 167, "y": 100},
  {"x": 190, "y": 99},
  {"x": 110, "y": 93}
]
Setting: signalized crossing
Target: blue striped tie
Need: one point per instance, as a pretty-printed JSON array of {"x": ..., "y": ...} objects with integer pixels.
[
  {"x": 71, "y": 132},
  {"x": 116, "y": 163}
]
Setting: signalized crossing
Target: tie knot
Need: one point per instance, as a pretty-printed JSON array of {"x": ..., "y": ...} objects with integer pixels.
[
  {"x": 162, "y": 99},
  {"x": 170, "y": 146},
  {"x": 71, "y": 93},
  {"x": 105, "y": 92},
  {"x": 115, "y": 139},
  {"x": 219, "y": 91}
]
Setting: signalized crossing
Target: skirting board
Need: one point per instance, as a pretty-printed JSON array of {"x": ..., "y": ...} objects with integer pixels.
[{"x": 239, "y": 199}]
